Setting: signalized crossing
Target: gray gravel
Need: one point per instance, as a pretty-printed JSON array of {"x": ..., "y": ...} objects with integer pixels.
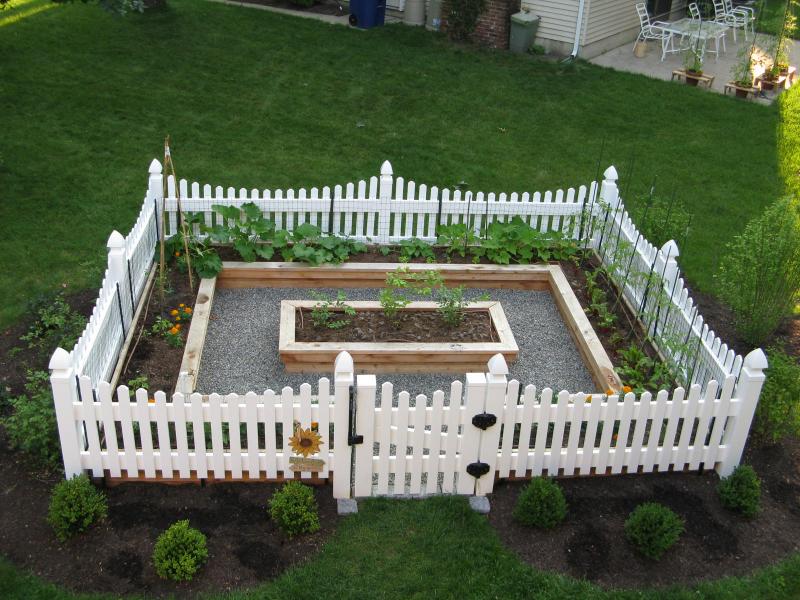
[{"x": 241, "y": 349}]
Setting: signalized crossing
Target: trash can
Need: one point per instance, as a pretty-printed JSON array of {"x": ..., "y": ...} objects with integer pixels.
[
  {"x": 523, "y": 31},
  {"x": 414, "y": 12},
  {"x": 367, "y": 13}
]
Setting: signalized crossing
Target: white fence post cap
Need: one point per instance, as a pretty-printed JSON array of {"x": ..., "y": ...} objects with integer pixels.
[
  {"x": 115, "y": 240},
  {"x": 756, "y": 360},
  {"x": 343, "y": 364},
  {"x": 155, "y": 167},
  {"x": 497, "y": 365},
  {"x": 611, "y": 173},
  {"x": 61, "y": 359},
  {"x": 386, "y": 168},
  {"x": 670, "y": 249}
]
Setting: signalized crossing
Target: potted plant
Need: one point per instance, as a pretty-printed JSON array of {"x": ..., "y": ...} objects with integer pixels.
[
  {"x": 693, "y": 65},
  {"x": 742, "y": 72},
  {"x": 781, "y": 48}
]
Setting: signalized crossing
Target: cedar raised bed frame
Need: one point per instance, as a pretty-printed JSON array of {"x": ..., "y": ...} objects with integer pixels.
[
  {"x": 394, "y": 357},
  {"x": 547, "y": 277}
]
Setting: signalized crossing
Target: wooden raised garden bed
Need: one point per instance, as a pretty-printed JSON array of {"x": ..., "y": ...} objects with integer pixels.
[{"x": 390, "y": 356}]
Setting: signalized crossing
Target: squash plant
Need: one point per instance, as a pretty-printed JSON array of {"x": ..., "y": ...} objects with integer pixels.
[{"x": 248, "y": 233}]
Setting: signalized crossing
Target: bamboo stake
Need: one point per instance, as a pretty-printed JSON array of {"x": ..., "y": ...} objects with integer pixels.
[{"x": 169, "y": 166}]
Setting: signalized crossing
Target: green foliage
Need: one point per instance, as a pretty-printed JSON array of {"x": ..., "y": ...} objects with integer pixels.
[
  {"x": 294, "y": 509},
  {"x": 322, "y": 313},
  {"x": 140, "y": 382},
  {"x": 452, "y": 305},
  {"x": 56, "y": 325},
  {"x": 642, "y": 373},
  {"x": 759, "y": 277},
  {"x": 32, "y": 427},
  {"x": 400, "y": 283},
  {"x": 416, "y": 248},
  {"x": 117, "y": 7},
  {"x": 653, "y": 528},
  {"x": 202, "y": 255},
  {"x": 598, "y": 300},
  {"x": 541, "y": 504},
  {"x": 778, "y": 409},
  {"x": 75, "y": 504},
  {"x": 309, "y": 245},
  {"x": 245, "y": 228},
  {"x": 741, "y": 491},
  {"x": 463, "y": 18},
  {"x": 518, "y": 242},
  {"x": 456, "y": 238},
  {"x": 661, "y": 219},
  {"x": 180, "y": 551}
]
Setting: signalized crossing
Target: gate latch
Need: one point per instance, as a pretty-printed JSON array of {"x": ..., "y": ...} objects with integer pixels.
[
  {"x": 478, "y": 469},
  {"x": 484, "y": 420}
]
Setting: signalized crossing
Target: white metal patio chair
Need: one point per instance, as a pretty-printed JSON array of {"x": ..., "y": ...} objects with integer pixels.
[
  {"x": 735, "y": 18},
  {"x": 652, "y": 31},
  {"x": 694, "y": 12}
]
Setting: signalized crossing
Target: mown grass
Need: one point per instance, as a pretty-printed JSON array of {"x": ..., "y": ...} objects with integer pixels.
[
  {"x": 438, "y": 548},
  {"x": 253, "y": 99}
]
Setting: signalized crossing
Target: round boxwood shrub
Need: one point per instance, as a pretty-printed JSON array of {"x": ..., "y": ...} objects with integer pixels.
[
  {"x": 541, "y": 504},
  {"x": 74, "y": 505},
  {"x": 653, "y": 529},
  {"x": 741, "y": 491},
  {"x": 294, "y": 509},
  {"x": 180, "y": 552}
]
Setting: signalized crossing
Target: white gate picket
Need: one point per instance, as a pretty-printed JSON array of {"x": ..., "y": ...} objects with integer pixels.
[
  {"x": 383, "y": 435},
  {"x": 451, "y": 443},
  {"x": 401, "y": 444},
  {"x": 126, "y": 424},
  {"x": 417, "y": 444}
]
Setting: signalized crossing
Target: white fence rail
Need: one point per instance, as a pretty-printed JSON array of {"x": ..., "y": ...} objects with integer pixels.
[{"x": 449, "y": 445}]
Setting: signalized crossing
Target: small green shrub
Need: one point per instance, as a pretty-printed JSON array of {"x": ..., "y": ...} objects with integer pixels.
[
  {"x": 294, "y": 509},
  {"x": 760, "y": 275},
  {"x": 180, "y": 551},
  {"x": 56, "y": 325},
  {"x": 653, "y": 529},
  {"x": 31, "y": 426},
  {"x": 74, "y": 505},
  {"x": 778, "y": 409},
  {"x": 541, "y": 504},
  {"x": 463, "y": 18},
  {"x": 741, "y": 491}
]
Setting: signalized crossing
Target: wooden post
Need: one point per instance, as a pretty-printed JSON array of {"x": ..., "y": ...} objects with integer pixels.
[
  {"x": 62, "y": 381},
  {"x": 496, "y": 386},
  {"x": 385, "y": 200},
  {"x": 342, "y": 382},
  {"x": 365, "y": 413},
  {"x": 747, "y": 392}
]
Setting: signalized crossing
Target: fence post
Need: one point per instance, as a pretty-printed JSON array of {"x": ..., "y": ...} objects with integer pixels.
[
  {"x": 496, "y": 386},
  {"x": 667, "y": 264},
  {"x": 474, "y": 401},
  {"x": 155, "y": 186},
  {"x": 385, "y": 199},
  {"x": 62, "y": 382},
  {"x": 608, "y": 189},
  {"x": 365, "y": 411},
  {"x": 342, "y": 383},
  {"x": 116, "y": 257},
  {"x": 748, "y": 391}
]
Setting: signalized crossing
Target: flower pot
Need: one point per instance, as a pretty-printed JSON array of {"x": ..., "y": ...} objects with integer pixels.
[
  {"x": 768, "y": 84},
  {"x": 640, "y": 49},
  {"x": 741, "y": 93},
  {"x": 692, "y": 77}
]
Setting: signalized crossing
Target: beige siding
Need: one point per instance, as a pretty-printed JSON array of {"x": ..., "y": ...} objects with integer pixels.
[
  {"x": 557, "y": 18},
  {"x": 609, "y": 17}
]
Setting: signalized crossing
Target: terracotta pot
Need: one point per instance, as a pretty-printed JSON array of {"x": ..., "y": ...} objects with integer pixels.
[
  {"x": 768, "y": 84},
  {"x": 741, "y": 93},
  {"x": 692, "y": 77}
]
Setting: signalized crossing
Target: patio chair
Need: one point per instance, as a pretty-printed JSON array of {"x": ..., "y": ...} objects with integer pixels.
[
  {"x": 735, "y": 18},
  {"x": 694, "y": 12},
  {"x": 651, "y": 31}
]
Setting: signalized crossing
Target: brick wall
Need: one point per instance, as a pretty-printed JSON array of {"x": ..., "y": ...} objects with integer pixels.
[{"x": 494, "y": 25}]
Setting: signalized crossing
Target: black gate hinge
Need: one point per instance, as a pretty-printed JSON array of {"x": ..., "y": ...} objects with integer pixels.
[
  {"x": 477, "y": 469},
  {"x": 484, "y": 420}
]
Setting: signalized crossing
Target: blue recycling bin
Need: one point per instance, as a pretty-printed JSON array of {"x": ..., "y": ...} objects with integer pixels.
[{"x": 367, "y": 13}]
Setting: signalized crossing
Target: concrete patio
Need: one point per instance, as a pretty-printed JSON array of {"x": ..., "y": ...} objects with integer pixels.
[{"x": 623, "y": 59}]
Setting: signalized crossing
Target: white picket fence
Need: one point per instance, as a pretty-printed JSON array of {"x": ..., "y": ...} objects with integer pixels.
[
  {"x": 427, "y": 448},
  {"x": 677, "y": 327}
]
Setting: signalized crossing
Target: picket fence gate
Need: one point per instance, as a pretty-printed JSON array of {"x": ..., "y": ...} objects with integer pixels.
[{"x": 382, "y": 445}]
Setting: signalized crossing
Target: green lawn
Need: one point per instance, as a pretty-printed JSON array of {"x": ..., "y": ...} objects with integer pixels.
[
  {"x": 771, "y": 19},
  {"x": 439, "y": 548},
  {"x": 260, "y": 100}
]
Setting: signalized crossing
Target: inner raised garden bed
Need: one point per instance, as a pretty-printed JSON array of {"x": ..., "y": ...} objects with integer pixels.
[{"x": 418, "y": 343}]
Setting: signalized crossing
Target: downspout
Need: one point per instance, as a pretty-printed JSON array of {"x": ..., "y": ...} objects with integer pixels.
[{"x": 578, "y": 27}]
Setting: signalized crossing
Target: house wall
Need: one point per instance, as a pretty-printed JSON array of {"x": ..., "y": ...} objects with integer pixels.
[{"x": 607, "y": 24}]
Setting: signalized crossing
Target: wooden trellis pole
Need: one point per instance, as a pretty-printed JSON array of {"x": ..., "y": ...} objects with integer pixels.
[{"x": 169, "y": 169}]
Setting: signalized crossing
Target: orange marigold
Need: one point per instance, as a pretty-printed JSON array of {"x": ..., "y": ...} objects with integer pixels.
[
  {"x": 177, "y": 254},
  {"x": 178, "y": 326},
  {"x": 627, "y": 388},
  {"x": 187, "y": 310},
  {"x": 177, "y": 318},
  {"x": 181, "y": 305},
  {"x": 174, "y": 312},
  {"x": 174, "y": 330}
]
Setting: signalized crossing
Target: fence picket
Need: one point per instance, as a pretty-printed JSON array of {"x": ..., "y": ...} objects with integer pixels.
[
  {"x": 199, "y": 436},
  {"x": 181, "y": 443},
  {"x": 417, "y": 444},
  {"x": 162, "y": 434},
  {"x": 434, "y": 449},
  {"x": 383, "y": 435},
  {"x": 453, "y": 421},
  {"x": 401, "y": 444},
  {"x": 109, "y": 428},
  {"x": 251, "y": 416},
  {"x": 126, "y": 425}
]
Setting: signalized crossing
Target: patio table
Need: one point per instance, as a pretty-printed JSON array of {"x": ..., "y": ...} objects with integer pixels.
[{"x": 694, "y": 31}]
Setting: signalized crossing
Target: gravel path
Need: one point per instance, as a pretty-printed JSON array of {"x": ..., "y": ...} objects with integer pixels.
[{"x": 241, "y": 349}]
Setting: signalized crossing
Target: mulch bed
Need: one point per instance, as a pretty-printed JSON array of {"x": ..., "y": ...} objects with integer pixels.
[
  {"x": 409, "y": 326},
  {"x": 245, "y": 547},
  {"x": 591, "y": 543}
]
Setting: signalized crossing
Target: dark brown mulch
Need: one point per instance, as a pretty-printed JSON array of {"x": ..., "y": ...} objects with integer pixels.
[
  {"x": 326, "y": 7},
  {"x": 409, "y": 326},
  {"x": 244, "y": 545},
  {"x": 152, "y": 356},
  {"x": 591, "y": 543}
]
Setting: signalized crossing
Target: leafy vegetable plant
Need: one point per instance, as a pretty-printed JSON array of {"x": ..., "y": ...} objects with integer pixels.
[{"x": 323, "y": 313}]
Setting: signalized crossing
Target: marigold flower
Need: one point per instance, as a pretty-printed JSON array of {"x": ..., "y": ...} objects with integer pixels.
[
  {"x": 177, "y": 318},
  {"x": 609, "y": 392},
  {"x": 174, "y": 330},
  {"x": 151, "y": 400},
  {"x": 177, "y": 254},
  {"x": 181, "y": 305},
  {"x": 589, "y": 398},
  {"x": 187, "y": 310},
  {"x": 178, "y": 326},
  {"x": 627, "y": 388},
  {"x": 174, "y": 312}
]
